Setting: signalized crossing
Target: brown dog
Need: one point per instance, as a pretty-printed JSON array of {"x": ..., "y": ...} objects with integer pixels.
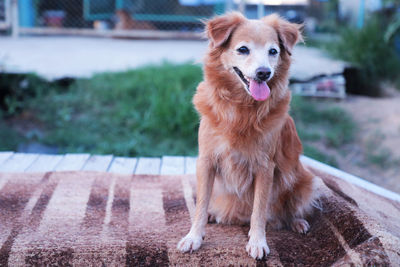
[
  {"x": 127, "y": 22},
  {"x": 248, "y": 168}
]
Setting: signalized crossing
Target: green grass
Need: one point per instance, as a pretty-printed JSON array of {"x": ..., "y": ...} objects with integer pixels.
[
  {"x": 322, "y": 125},
  {"x": 148, "y": 112},
  {"x": 316, "y": 121},
  {"x": 377, "y": 155},
  {"x": 145, "y": 112},
  {"x": 314, "y": 153},
  {"x": 381, "y": 158}
]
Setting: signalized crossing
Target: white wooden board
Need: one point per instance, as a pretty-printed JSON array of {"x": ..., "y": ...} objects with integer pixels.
[
  {"x": 98, "y": 163},
  {"x": 72, "y": 162},
  {"x": 350, "y": 178},
  {"x": 172, "y": 165},
  {"x": 4, "y": 155},
  {"x": 123, "y": 165},
  {"x": 148, "y": 166},
  {"x": 45, "y": 163},
  {"x": 190, "y": 165},
  {"x": 18, "y": 162}
]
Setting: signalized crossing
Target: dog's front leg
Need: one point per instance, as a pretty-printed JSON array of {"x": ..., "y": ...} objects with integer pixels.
[
  {"x": 257, "y": 246},
  {"x": 205, "y": 179}
]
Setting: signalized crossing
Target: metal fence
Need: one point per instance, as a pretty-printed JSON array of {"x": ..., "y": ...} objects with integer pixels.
[
  {"x": 119, "y": 14},
  {"x": 145, "y": 18},
  {"x": 125, "y": 18}
]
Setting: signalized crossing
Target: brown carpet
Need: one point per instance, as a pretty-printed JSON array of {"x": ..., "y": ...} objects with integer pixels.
[{"x": 103, "y": 219}]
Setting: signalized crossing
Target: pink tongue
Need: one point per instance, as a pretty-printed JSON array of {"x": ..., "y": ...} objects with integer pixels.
[{"x": 259, "y": 91}]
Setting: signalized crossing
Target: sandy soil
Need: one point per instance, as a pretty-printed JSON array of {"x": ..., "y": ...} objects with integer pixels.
[{"x": 375, "y": 155}]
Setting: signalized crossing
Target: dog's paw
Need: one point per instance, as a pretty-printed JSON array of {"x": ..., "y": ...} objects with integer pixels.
[
  {"x": 300, "y": 226},
  {"x": 257, "y": 248},
  {"x": 190, "y": 243}
]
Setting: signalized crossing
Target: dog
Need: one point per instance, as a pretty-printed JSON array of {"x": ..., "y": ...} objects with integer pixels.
[
  {"x": 126, "y": 22},
  {"x": 248, "y": 169}
]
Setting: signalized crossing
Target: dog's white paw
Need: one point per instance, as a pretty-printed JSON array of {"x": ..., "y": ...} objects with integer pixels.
[
  {"x": 257, "y": 248},
  {"x": 190, "y": 243},
  {"x": 300, "y": 226}
]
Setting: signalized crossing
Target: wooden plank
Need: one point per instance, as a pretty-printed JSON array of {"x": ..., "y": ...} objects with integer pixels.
[
  {"x": 172, "y": 165},
  {"x": 123, "y": 165},
  {"x": 5, "y": 155},
  {"x": 190, "y": 165},
  {"x": 72, "y": 162},
  {"x": 45, "y": 163},
  {"x": 18, "y": 162},
  {"x": 98, "y": 163},
  {"x": 148, "y": 166}
]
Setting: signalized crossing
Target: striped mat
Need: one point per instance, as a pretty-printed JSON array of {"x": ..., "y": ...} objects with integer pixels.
[{"x": 104, "y": 219}]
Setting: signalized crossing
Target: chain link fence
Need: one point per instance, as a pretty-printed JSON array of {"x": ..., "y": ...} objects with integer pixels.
[
  {"x": 132, "y": 18},
  {"x": 118, "y": 15}
]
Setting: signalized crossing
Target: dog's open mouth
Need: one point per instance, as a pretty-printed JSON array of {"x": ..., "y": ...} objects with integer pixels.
[{"x": 259, "y": 90}]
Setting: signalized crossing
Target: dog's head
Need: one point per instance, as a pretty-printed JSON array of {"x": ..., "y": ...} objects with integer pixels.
[{"x": 254, "y": 51}]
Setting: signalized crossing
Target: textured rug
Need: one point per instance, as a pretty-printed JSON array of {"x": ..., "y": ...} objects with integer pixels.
[{"x": 103, "y": 219}]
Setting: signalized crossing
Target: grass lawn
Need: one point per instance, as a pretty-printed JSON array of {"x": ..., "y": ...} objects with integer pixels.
[{"x": 142, "y": 112}]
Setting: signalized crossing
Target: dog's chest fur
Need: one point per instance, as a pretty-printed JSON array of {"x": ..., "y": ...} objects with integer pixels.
[{"x": 236, "y": 166}]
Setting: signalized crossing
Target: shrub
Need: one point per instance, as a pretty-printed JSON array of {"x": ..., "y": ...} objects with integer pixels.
[
  {"x": 367, "y": 49},
  {"x": 17, "y": 89},
  {"x": 9, "y": 138}
]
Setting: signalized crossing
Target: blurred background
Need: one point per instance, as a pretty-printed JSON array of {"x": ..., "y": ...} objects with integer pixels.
[{"x": 117, "y": 77}]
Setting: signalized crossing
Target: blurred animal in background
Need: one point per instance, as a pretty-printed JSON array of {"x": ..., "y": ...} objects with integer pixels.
[{"x": 127, "y": 22}]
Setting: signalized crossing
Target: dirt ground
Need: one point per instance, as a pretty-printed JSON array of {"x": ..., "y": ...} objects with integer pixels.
[{"x": 375, "y": 154}]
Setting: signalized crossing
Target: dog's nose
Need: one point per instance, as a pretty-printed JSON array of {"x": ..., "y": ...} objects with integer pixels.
[{"x": 263, "y": 73}]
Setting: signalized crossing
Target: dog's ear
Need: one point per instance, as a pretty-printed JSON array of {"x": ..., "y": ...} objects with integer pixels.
[
  {"x": 219, "y": 29},
  {"x": 289, "y": 34}
]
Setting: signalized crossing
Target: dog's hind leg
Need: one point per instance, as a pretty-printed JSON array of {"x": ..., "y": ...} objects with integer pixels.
[{"x": 301, "y": 200}]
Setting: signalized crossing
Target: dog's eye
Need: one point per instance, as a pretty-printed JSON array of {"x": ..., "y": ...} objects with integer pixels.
[
  {"x": 243, "y": 50},
  {"x": 273, "y": 52}
]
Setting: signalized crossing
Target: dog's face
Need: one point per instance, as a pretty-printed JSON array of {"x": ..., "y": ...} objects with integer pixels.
[
  {"x": 252, "y": 49},
  {"x": 253, "y": 54}
]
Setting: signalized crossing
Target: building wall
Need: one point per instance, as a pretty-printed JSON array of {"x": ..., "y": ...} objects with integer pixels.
[{"x": 349, "y": 9}]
